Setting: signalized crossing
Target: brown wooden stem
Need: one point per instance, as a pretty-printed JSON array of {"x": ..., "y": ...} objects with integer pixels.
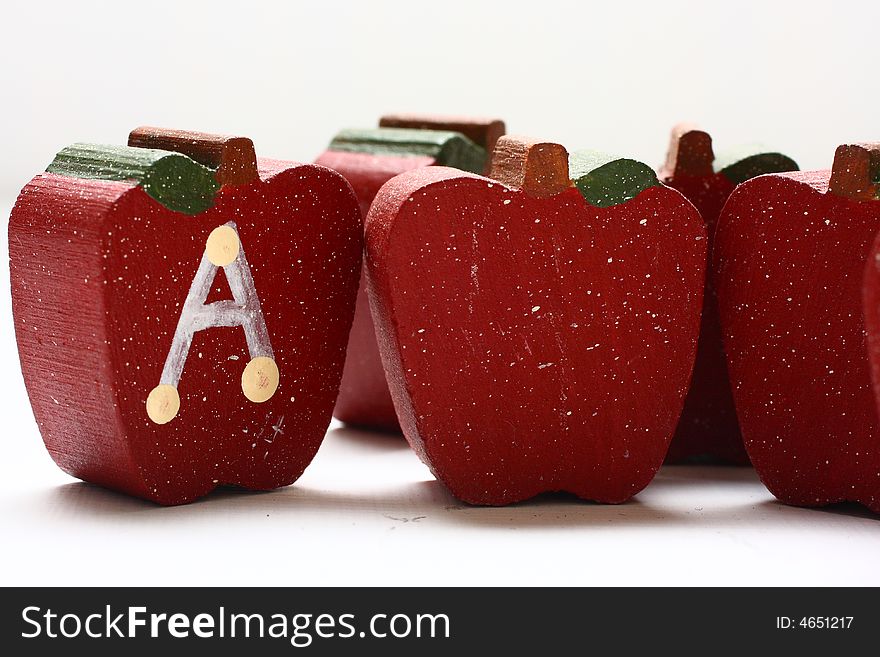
[
  {"x": 540, "y": 169},
  {"x": 233, "y": 158},
  {"x": 482, "y": 131},
  {"x": 690, "y": 153},
  {"x": 855, "y": 173}
]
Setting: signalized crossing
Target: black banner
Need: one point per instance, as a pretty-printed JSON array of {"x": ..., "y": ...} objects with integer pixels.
[{"x": 435, "y": 621}]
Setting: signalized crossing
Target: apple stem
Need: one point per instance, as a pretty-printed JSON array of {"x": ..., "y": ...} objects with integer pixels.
[
  {"x": 540, "y": 169},
  {"x": 482, "y": 131},
  {"x": 690, "y": 153},
  {"x": 234, "y": 158},
  {"x": 855, "y": 173}
]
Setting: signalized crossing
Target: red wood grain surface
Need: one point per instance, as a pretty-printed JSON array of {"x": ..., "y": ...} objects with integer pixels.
[
  {"x": 99, "y": 273},
  {"x": 708, "y": 425},
  {"x": 791, "y": 257},
  {"x": 364, "y": 399},
  {"x": 709, "y": 429},
  {"x": 534, "y": 344}
]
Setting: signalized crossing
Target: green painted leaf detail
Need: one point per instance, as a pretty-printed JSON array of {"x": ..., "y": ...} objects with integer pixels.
[
  {"x": 747, "y": 162},
  {"x": 604, "y": 180},
  {"x": 451, "y": 149},
  {"x": 174, "y": 180}
]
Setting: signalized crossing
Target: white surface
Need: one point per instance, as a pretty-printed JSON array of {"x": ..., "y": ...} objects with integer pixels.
[
  {"x": 614, "y": 76},
  {"x": 796, "y": 74},
  {"x": 368, "y": 512}
]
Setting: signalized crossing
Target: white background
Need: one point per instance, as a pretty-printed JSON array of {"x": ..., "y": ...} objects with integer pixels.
[{"x": 800, "y": 76}]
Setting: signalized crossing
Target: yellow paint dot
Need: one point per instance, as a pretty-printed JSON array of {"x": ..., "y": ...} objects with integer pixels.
[
  {"x": 163, "y": 403},
  {"x": 259, "y": 381},
  {"x": 222, "y": 246}
]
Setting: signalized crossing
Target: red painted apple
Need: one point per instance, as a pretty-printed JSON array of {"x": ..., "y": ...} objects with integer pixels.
[
  {"x": 181, "y": 324},
  {"x": 708, "y": 428},
  {"x": 791, "y": 255},
  {"x": 538, "y": 326},
  {"x": 368, "y": 159}
]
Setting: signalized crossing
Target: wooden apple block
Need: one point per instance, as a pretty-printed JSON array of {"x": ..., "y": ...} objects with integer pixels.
[
  {"x": 791, "y": 256},
  {"x": 708, "y": 428},
  {"x": 865, "y": 158},
  {"x": 182, "y": 318},
  {"x": 538, "y": 326},
  {"x": 368, "y": 159}
]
